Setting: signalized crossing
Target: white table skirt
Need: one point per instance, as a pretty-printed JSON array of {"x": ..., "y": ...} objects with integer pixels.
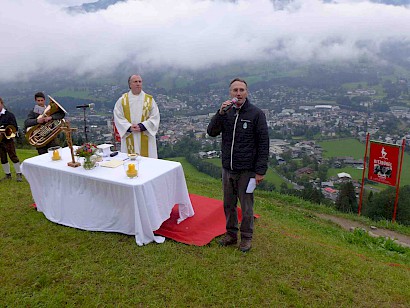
[{"x": 104, "y": 199}]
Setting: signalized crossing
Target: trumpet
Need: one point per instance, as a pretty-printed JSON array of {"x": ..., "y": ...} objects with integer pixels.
[{"x": 8, "y": 132}]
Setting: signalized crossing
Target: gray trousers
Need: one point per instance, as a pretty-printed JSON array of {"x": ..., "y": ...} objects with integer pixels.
[{"x": 234, "y": 188}]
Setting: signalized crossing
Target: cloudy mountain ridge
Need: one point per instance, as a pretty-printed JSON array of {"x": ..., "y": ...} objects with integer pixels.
[
  {"x": 195, "y": 35},
  {"x": 93, "y": 6},
  {"x": 280, "y": 4}
]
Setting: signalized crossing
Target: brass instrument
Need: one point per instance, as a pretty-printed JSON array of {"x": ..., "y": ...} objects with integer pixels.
[
  {"x": 43, "y": 133},
  {"x": 8, "y": 132}
]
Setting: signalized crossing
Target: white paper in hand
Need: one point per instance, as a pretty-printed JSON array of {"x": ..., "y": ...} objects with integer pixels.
[{"x": 251, "y": 186}]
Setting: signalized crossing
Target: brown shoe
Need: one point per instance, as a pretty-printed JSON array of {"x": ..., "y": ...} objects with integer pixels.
[
  {"x": 7, "y": 177},
  {"x": 19, "y": 177},
  {"x": 228, "y": 240},
  {"x": 245, "y": 245}
]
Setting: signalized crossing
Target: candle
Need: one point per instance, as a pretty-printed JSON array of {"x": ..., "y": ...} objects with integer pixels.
[
  {"x": 131, "y": 167},
  {"x": 56, "y": 155},
  {"x": 131, "y": 171}
]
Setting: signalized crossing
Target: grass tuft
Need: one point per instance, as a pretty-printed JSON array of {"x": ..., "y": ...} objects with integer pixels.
[{"x": 361, "y": 237}]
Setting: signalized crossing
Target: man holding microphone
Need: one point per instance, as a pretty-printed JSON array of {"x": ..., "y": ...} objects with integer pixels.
[{"x": 245, "y": 152}]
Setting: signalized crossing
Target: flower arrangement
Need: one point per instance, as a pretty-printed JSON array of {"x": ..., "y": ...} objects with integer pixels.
[{"x": 86, "y": 150}]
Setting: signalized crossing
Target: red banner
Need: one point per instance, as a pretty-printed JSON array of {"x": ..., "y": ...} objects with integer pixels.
[
  {"x": 117, "y": 136},
  {"x": 383, "y": 163}
]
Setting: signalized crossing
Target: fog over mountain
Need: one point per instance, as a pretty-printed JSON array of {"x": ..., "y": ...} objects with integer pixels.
[{"x": 43, "y": 37}]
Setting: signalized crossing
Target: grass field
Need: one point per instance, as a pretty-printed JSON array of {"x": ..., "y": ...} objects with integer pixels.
[
  {"x": 80, "y": 94},
  {"x": 343, "y": 147},
  {"x": 297, "y": 260},
  {"x": 356, "y": 174},
  {"x": 271, "y": 175},
  {"x": 363, "y": 85},
  {"x": 355, "y": 149}
]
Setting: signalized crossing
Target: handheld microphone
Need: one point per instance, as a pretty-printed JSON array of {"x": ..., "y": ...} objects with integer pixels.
[
  {"x": 91, "y": 106},
  {"x": 233, "y": 101}
]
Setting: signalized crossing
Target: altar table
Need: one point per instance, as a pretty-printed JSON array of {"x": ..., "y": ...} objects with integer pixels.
[{"x": 105, "y": 199}]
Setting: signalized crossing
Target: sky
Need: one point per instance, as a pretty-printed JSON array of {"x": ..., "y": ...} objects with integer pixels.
[{"x": 38, "y": 37}]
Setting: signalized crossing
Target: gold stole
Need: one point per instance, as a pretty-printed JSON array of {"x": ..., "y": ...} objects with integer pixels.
[{"x": 145, "y": 115}]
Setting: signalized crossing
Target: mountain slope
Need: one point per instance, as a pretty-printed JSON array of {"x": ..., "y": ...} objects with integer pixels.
[{"x": 297, "y": 260}]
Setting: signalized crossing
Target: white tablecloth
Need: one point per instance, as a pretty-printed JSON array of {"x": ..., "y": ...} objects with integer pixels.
[{"x": 104, "y": 199}]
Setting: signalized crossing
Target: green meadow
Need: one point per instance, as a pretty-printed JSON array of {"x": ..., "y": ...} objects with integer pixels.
[
  {"x": 363, "y": 85},
  {"x": 271, "y": 175},
  {"x": 343, "y": 147},
  {"x": 352, "y": 147},
  {"x": 80, "y": 94},
  {"x": 355, "y": 173},
  {"x": 297, "y": 260}
]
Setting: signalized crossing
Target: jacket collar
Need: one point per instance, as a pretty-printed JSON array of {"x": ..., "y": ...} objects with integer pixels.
[{"x": 243, "y": 106}]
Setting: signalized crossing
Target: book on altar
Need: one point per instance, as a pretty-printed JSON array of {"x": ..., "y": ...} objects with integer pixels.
[{"x": 112, "y": 163}]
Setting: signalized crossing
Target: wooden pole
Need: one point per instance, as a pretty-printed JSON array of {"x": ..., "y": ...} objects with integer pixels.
[
  {"x": 363, "y": 174},
  {"x": 396, "y": 201}
]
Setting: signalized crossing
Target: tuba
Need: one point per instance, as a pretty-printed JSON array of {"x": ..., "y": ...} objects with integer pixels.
[
  {"x": 8, "y": 132},
  {"x": 43, "y": 133}
]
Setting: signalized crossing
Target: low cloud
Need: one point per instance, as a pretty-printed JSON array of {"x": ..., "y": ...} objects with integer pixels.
[{"x": 40, "y": 37}]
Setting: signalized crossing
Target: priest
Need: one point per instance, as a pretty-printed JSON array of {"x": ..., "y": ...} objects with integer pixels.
[{"x": 136, "y": 117}]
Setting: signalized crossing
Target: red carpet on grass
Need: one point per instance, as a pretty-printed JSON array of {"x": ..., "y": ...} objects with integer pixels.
[{"x": 200, "y": 229}]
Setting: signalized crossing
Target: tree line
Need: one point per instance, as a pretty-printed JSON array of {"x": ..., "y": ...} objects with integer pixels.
[{"x": 376, "y": 206}]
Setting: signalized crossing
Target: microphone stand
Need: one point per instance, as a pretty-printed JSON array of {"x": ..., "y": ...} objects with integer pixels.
[
  {"x": 85, "y": 126},
  {"x": 91, "y": 106},
  {"x": 83, "y": 107}
]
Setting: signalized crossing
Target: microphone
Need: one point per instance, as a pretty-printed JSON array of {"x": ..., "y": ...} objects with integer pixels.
[
  {"x": 233, "y": 101},
  {"x": 91, "y": 106}
]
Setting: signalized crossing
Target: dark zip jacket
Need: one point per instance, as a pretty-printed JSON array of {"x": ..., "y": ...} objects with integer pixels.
[
  {"x": 32, "y": 118},
  {"x": 245, "y": 138}
]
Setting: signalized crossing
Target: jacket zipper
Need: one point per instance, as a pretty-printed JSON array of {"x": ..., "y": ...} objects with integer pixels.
[{"x": 233, "y": 138}]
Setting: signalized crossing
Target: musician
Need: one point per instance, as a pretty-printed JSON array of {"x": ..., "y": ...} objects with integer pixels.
[
  {"x": 7, "y": 145},
  {"x": 136, "y": 117},
  {"x": 35, "y": 117}
]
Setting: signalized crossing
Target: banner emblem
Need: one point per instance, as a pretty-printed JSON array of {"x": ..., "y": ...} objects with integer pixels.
[{"x": 383, "y": 163}]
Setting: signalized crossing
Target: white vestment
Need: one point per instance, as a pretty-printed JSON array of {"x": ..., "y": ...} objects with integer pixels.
[{"x": 151, "y": 124}]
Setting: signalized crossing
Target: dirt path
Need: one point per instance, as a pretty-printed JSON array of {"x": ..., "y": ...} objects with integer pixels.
[{"x": 347, "y": 224}]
